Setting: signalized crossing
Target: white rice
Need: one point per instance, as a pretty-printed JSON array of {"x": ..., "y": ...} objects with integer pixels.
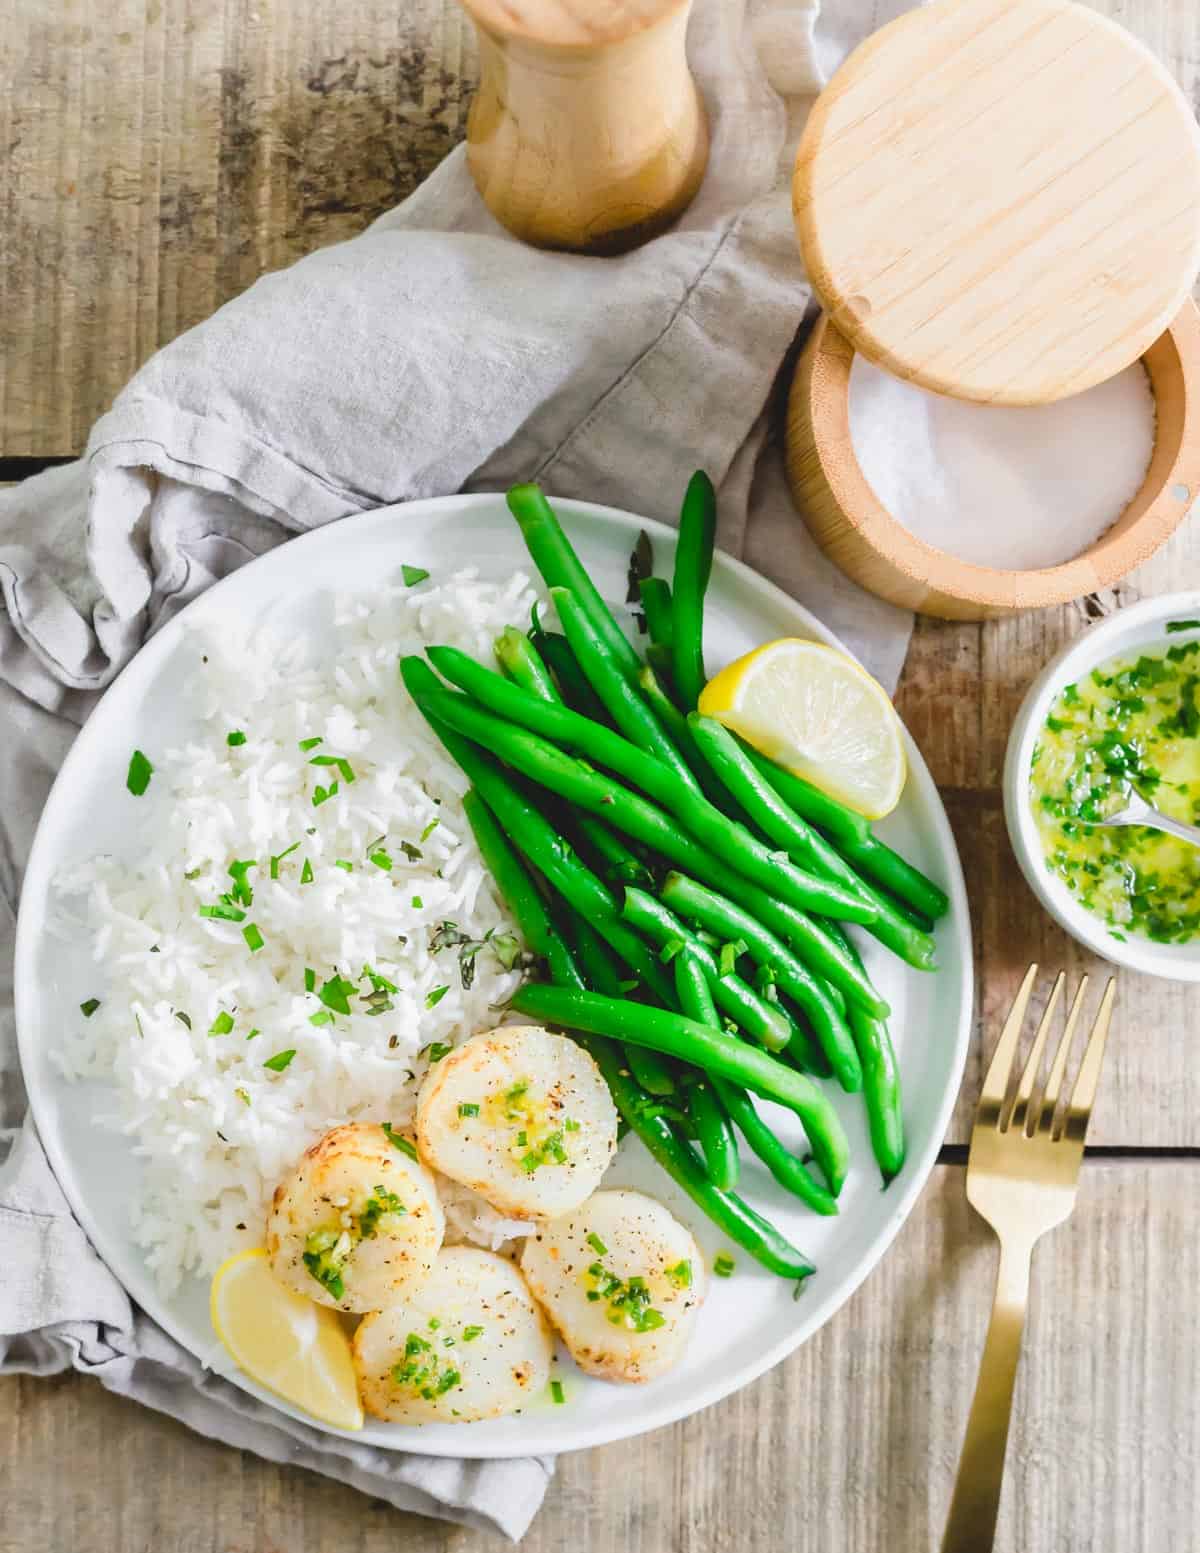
[{"x": 214, "y": 1128}]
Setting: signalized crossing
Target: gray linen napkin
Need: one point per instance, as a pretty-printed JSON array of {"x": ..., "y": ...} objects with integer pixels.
[{"x": 431, "y": 354}]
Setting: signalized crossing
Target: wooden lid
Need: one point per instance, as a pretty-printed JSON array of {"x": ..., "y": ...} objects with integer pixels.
[
  {"x": 570, "y": 23},
  {"x": 1000, "y": 199}
]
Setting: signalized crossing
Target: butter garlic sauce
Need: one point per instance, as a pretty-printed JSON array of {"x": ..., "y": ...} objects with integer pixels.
[{"x": 1132, "y": 724}]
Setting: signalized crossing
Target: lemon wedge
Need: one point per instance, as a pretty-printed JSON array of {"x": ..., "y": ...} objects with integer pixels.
[
  {"x": 816, "y": 712},
  {"x": 295, "y": 1348}
]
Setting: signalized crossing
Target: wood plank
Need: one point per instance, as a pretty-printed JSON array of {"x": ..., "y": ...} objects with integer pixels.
[
  {"x": 159, "y": 158},
  {"x": 850, "y": 1446}
]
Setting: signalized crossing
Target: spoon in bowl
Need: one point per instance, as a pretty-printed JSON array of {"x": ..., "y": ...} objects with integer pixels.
[{"x": 1138, "y": 812}]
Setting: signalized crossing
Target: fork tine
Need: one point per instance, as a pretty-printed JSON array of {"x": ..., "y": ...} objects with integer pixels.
[
  {"x": 1044, "y": 1119},
  {"x": 1083, "y": 1096},
  {"x": 995, "y": 1086},
  {"x": 1034, "y": 1063}
]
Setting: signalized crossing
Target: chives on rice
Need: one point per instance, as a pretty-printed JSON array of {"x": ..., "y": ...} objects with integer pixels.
[
  {"x": 89, "y": 1008},
  {"x": 222, "y": 1024},
  {"x": 723, "y": 1265},
  {"x": 309, "y": 744},
  {"x": 137, "y": 779},
  {"x": 235, "y": 739},
  {"x": 280, "y": 1060},
  {"x": 253, "y": 936},
  {"x": 413, "y": 575}
]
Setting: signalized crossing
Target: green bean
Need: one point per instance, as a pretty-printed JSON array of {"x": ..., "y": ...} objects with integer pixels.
[
  {"x": 643, "y": 1116},
  {"x": 693, "y": 566},
  {"x": 538, "y": 840},
  {"x": 617, "y": 693},
  {"x": 881, "y": 1083},
  {"x": 695, "y": 999},
  {"x": 656, "y": 602},
  {"x": 674, "y": 1154},
  {"x": 705, "y": 1110},
  {"x": 717, "y": 1140},
  {"x": 652, "y": 1070},
  {"x": 627, "y": 811},
  {"x": 723, "y": 916},
  {"x": 761, "y": 1020},
  {"x": 520, "y": 893},
  {"x": 854, "y": 838},
  {"x": 807, "y": 847},
  {"x": 791, "y": 1173},
  {"x": 576, "y": 692},
  {"x": 617, "y": 863},
  {"x": 555, "y": 558},
  {"x": 523, "y": 664},
  {"x": 717, "y": 1053},
  {"x": 650, "y": 681}
]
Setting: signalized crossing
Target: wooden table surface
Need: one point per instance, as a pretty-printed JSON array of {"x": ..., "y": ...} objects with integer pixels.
[{"x": 158, "y": 155}]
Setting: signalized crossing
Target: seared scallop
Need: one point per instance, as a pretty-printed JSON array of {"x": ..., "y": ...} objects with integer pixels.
[
  {"x": 357, "y": 1222},
  {"x": 469, "y": 1343},
  {"x": 622, "y": 1279},
  {"x": 521, "y": 1116}
]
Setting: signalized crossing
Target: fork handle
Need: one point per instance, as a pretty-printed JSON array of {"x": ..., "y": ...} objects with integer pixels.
[{"x": 971, "y": 1527}]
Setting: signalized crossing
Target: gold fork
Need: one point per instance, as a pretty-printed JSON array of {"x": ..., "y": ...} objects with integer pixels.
[{"x": 1021, "y": 1177}]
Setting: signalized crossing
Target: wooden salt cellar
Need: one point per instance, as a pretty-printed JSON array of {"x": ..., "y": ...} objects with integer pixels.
[
  {"x": 588, "y": 132},
  {"x": 998, "y": 200}
]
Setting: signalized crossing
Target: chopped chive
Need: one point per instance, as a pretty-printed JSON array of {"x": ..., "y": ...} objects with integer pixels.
[
  {"x": 597, "y": 1244},
  {"x": 570, "y": 1125},
  {"x": 243, "y": 1095},
  {"x": 323, "y": 794},
  {"x": 280, "y": 1060},
  {"x": 467, "y": 1109},
  {"x": 723, "y": 1265},
  {"x": 184, "y": 1019},
  {"x": 306, "y": 873},
  {"x": 344, "y": 865},
  {"x": 670, "y": 949},
  {"x": 253, "y": 937},
  {"x": 729, "y": 956},
  {"x": 381, "y": 860},
  {"x": 310, "y": 979},
  {"x": 399, "y": 1141},
  {"x": 469, "y": 1334},
  {"x": 556, "y": 1392},
  {"x": 310, "y": 744},
  {"x": 279, "y": 857},
  {"x": 222, "y": 1024},
  {"x": 433, "y": 998},
  {"x": 417, "y": 903},
  {"x": 321, "y": 1017},
  {"x": 413, "y": 575},
  {"x": 89, "y": 1008},
  {"x": 336, "y": 994},
  {"x": 681, "y": 1274},
  {"x": 429, "y": 829},
  {"x": 253, "y": 1033},
  {"x": 235, "y": 738},
  {"x": 413, "y": 854},
  {"x": 439, "y": 1049},
  {"x": 137, "y": 779}
]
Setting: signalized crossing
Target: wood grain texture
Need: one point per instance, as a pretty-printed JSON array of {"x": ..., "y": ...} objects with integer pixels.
[
  {"x": 848, "y": 1447},
  {"x": 586, "y": 135},
  {"x": 857, "y": 532},
  {"x": 1000, "y": 199},
  {"x": 159, "y": 155}
]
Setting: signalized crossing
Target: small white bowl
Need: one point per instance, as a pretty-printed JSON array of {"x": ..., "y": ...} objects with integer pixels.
[{"x": 1138, "y": 626}]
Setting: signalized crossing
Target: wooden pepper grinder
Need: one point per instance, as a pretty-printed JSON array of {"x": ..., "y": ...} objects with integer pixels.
[{"x": 588, "y": 131}]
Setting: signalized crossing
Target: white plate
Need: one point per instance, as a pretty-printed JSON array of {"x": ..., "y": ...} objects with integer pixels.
[
  {"x": 1129, "y": 630},
  {"x": 750, "y": 1321}
]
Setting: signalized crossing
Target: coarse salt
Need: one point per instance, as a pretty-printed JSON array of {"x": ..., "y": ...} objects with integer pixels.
[{"x": 1015, "y": 488}]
